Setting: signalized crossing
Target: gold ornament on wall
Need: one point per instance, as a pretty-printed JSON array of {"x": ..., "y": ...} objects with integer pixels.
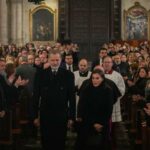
[
  {"x": 136, "y": 23},
  {"x": 42, "y": 24}
]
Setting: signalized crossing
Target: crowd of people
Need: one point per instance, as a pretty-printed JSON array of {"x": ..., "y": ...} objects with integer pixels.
[{"x": 56, "y": 91}]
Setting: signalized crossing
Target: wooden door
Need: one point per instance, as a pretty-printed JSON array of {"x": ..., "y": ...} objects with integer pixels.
[{"x": 89, "y": 25}]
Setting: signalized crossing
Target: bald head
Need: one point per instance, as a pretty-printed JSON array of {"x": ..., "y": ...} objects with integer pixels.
[
  {"x": 83, "y": 65},
  {"x": 99, "y": 67}
]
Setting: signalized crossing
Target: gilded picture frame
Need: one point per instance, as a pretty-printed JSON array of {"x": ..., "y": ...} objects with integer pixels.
[
  {"x": 42, "y": 24},
  {"x": 136, "y": 23}
]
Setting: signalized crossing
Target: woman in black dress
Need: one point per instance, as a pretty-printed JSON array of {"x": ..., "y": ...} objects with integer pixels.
[{"x": 94, "y": 112}]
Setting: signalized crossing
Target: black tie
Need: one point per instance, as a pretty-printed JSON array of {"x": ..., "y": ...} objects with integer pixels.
[{"x": 69, "y": 68}]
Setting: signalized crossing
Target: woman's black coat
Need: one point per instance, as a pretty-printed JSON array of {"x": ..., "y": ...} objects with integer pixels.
[{"x": 95, "y": 105}]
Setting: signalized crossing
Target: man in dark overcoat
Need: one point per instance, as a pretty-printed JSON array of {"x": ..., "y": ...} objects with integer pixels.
[{"x": 54, "y": 94}]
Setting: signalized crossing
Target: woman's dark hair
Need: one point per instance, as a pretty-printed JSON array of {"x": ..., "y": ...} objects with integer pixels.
[
  {"x": 98, "y": 71},
  {"x": 144, "y": 68}
]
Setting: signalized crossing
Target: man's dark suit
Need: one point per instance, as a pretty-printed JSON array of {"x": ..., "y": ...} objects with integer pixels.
[
  {"x": 55, "y": 92},
  {"x": 2, "y": 99},
  {"x": 74, "y": 67},
  {"x": 10, "y": 92},
  {"x": 26, "y": 71},
  {"x": 8, "y": 95}
]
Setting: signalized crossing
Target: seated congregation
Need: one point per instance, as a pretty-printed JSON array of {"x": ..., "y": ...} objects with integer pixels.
[{"x": 51, "y": 99}]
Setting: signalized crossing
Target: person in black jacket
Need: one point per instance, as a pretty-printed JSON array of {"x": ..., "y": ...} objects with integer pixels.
[
  {"x": 121, "y": 67},
  {"x": 2, "y": 103},
  {"x": 147, "y": 101},
  {"x": 54, "y": 89},
  {"x": 98, "y": 61},
  {"x": 138, "y": 88},
  {"x": 2, "y": 95},
  {"x": 115, "y": 90},
  {"x": 9, "y": 83},
  {"x": 94, "y": 111},
  {"x": 69, "y": 64}
]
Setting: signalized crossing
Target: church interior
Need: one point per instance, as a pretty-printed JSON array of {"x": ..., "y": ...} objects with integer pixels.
[{"x": 89, "y": 35}]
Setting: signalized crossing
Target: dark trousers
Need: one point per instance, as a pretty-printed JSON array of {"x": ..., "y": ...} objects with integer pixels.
[{"x": 53, "y": 135}]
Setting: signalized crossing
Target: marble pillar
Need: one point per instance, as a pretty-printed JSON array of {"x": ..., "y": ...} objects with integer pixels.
[
  {"x": 19, "y": 24},
  {"x": 13, "y": 21},
  {"x": 3, "y": 22},
  {"x": 16, "y": 21}
]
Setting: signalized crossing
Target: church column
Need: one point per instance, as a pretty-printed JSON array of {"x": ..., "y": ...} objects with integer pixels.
[
  {"x": 19, "y": 22},
  {"x": 3, "y": 22},
  {"x": 16, "y": 21},
  {"x": 13, "y": 22}
]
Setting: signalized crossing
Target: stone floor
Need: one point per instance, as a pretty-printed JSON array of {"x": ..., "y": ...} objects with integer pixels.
[{"x": 123, "y": 142}]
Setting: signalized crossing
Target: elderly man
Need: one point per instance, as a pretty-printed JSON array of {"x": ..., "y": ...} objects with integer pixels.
[
  {"x": 121, "y": 67},
  {"x": 118, "y": 80},
  {"x": 55, "y": 96}
]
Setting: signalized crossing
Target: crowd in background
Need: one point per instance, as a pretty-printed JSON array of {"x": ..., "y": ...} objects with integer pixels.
[{"x": 131, "y": 68}]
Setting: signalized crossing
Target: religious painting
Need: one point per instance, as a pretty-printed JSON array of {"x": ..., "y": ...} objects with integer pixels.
[
  {"x": 136, "y": 23},
  {"x": 42, "y": 24}
]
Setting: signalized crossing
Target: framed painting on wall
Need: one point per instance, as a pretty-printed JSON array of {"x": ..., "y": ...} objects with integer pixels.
[
  {"x": 42, "y": 24},
  {"x": 136, "y": 23}
]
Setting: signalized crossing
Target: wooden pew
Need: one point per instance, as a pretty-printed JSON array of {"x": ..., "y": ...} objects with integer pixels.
[
  {"x": 139, "y": 119},
  {"x": 6, "y": 129},
  {"x": 126, "y": 105},
  {"x": 133, "y": 118},
  {"x": 145, "y": 137}
]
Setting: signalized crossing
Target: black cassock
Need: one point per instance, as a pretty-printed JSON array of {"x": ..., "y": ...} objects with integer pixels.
[{"x": 55, "y": 94}]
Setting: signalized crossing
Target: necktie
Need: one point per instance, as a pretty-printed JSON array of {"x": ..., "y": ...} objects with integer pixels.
[{"x": 69, "y": 68}]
